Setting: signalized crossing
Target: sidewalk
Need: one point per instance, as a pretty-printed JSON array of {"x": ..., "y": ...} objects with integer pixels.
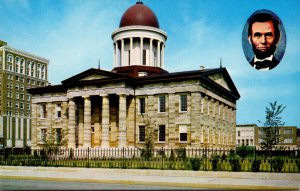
[{"x": 191, "y": 179}]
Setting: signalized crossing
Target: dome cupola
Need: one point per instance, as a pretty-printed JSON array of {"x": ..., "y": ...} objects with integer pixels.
[
  {"x": 139, "y": 14},
  {"x": 139, "y": 43}
]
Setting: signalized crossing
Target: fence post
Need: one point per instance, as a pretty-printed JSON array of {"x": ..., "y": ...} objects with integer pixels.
[
  {"x": 123, "y": 162},
  {"x": 162, "y": 158}
]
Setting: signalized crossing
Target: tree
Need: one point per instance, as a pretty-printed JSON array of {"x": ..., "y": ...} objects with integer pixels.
[
  {"x": 54, "y": 140},
  {"x": 149, "y": 137},
  {"x": 271, "y": 126}
]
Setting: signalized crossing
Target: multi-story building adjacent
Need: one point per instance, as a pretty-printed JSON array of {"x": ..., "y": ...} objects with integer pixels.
[
  {"x": 251, "y": 135},
  {"x": 19, "y": 71},
  {"x": 298, "y": 137},
  {"x": 247, "y": 135},
  {"x": 105, "y": 109}
]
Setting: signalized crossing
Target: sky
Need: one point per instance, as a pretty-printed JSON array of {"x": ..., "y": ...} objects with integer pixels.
[{"x": 75, "y": 34}]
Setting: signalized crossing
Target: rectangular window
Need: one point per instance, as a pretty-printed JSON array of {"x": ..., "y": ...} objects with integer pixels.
[
  {"x": 21, "y": 105},
  {"x": 182, "y": 133},
  {"x": 142, "y": 133},
  {"x": 43, "y": 135},
  {"x": 161, "y": 133},
  {"x": 288, "y": 131},
  {"x": 239, "y": 133},
  {"x": 43, "y": 112},
  {"x": 142, "y": 105},
  {"x": 288, "y": 140},
  {"x": 58, "y": 110},
  {"x": 162, "y": 104},
  {"x": 58, "y": 135},
  {"x": 183, "y": 103}
]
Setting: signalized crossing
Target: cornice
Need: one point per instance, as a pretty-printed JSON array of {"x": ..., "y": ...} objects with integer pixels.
[{"x": 25, "y": 54}]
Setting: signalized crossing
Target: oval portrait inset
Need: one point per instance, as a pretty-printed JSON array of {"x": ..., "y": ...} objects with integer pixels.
[{"x": 264, "y": 40}]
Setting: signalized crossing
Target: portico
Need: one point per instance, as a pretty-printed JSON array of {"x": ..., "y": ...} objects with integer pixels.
[{"x": 100, "y": 119}]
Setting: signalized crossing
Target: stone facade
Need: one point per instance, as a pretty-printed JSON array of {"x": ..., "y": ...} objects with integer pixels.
[{"x": 109, "y": 115}]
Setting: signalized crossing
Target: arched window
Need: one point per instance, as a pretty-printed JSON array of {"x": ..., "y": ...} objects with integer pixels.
[
  {"x": 22, "y": 66},
  {"x": 18, "y": 61},
  {"x": 28, "y": 65},
  {"x": 32, "y": 69},
  {"x": 10, "y": 58},
  {"x": 38, "y": 71},
  {"x": 43, "y": 72}
]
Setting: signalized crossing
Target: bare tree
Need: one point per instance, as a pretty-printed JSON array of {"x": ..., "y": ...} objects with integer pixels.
[{"x": 55, "y": 139}]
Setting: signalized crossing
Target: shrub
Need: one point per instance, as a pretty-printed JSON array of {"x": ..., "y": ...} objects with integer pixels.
[
  {"x": 223, "y": 157},
  {"x": 215, "y": 162},
  {"x": 277, "y": 164},
  {"x": 181, "y": 153},
  {"x": 195, "y": 163},
  {"x": 172, "y": 157},
  {"x": 297, "y": 161},
  {"x": 255, "y": 165},
  {"x": 234, "y": 161},
  {"x": 245, "y": 151}
]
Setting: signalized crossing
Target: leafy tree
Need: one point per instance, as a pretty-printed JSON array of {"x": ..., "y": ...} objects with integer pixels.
[
  {"x": 149, "y": 137},
  {"x": 271, "y": 126}
]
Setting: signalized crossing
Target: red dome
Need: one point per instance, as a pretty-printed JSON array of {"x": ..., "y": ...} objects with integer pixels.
[{"x": 139, "y": 14}]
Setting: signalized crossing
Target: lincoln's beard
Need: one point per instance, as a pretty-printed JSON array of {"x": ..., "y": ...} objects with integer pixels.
[{"x": 261, "y": 55}]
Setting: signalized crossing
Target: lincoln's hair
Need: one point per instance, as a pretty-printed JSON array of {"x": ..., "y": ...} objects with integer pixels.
[{"x": 264, "y": 17}]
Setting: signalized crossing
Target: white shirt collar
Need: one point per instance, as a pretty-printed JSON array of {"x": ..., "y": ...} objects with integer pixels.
[{"x": 261, "y": 60}]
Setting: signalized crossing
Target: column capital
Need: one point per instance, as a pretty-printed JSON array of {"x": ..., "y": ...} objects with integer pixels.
[{"x": 86, "y": 97}]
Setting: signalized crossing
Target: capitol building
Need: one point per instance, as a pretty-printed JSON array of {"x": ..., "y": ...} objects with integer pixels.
[{"x": 111, "y": 109}]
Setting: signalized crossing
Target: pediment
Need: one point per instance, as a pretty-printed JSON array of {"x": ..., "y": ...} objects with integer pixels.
[
  {"x": 93, "y": 77},
  {"x": 220, "y": 79}
]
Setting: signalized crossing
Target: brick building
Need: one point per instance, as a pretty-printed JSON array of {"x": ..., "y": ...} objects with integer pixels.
[{"x": 19, "y": 70}]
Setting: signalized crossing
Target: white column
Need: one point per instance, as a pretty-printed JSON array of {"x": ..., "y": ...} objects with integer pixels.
[
  {"x": 162, "y": 64},
  {"x": 151, "y": 53},
  {"x": 105, "y": 122},
  {"x": 158, "y": 54},
  {"x": 122, "y": 121},
  {"x": 116, "y": 54},
  {"x": 122, "y": 62},
  {"x": 131, "y": 54},
  {"x": 87, "y": 123},
  {"x": 71, "y": 126},
  {"x": 141, "y": 51}
]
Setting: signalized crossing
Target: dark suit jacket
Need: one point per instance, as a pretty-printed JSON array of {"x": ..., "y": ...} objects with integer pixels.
[{"x": 265, "y": 64}]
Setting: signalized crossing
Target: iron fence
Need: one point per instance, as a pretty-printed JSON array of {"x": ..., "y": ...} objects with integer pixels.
[{"x": 162, "y": 158}]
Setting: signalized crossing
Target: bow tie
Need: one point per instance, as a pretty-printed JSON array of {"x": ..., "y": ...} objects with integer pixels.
[{"x": 263, "y": 64}]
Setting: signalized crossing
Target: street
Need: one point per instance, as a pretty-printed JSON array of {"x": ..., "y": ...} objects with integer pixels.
[{"x": 16, "y": 184}]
